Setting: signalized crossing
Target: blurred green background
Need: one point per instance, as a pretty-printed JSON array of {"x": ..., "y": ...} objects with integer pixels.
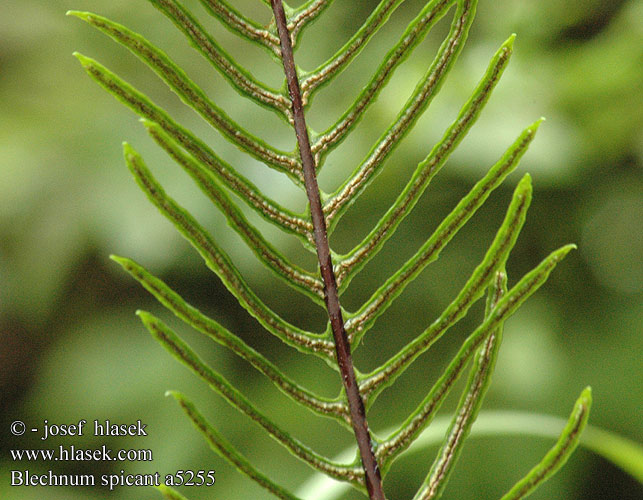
[{"x": 71, "y": 347}]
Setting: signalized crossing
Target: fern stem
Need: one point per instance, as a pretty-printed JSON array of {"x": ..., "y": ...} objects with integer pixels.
[
  {"x": 373, "y": 478},
  {"x": 351, "y": 263},
  {"x": 415, "y": 105},
  {"x": 214, "y": 53},
  {"x": 241, "y": 25}
]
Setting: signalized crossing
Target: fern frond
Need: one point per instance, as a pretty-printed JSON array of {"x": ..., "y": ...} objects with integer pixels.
[
  {"x": 343, "y": 330},
  {"x": 298, "y": 278},
  {"x": 493, "y": 261},
  {"x": 241, "y": 25},
  {"x": 413, "y": 35},
  {"x": 470, "y": 401},
  {"x": 474, "y": 287},
  {"x": 334, "y": 66},
  {"x": 305, "y": 15}
]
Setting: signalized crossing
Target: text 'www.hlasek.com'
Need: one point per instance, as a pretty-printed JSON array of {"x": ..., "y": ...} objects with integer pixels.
[{"x": 32, "y": 473}]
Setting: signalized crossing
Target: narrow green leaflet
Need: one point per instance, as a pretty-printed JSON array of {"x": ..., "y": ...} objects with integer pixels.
[
  {"x": 334, "y": 66},
  {"x": 558, "y": 455},
  {"x": 201, "y": 40},
  {"x": 298, "y": 278},
  {"x": 221, "y": 446},
  {"x": 193, "y": 317},
  {"x": 241, "y": 25},
  {"x": 400, "y": 440},
  {"x": 217, "y": 260},
  {"x": 426, "y": 89},
  {"x": 169, "y": 493},
  {"x": 194, "y": 97},
  {"x": 495, "y": 257},
  {"x": 141, "y": 105},
  {"x": 181, "y": 351},
  {"x": 305, "y": 15},
  {"x": 413, "y": 35},
  {"x": 350, "y": 264},
  {"x": 470, "y": 401}
]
